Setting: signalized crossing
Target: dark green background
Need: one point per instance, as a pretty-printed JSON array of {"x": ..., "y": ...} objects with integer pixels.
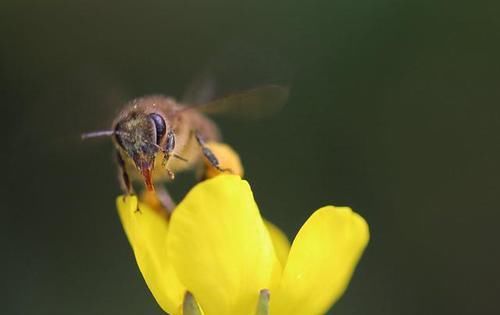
[{"x": 393, "y": 111}]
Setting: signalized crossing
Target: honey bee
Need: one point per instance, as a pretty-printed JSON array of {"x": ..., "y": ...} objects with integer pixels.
[{"x": 155, "y": 137}]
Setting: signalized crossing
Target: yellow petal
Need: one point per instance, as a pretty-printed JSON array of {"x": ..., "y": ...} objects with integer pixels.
[
  {"x": 321, "y": 262},
  {"x": 147, "y": 233},
  {"x": 280, "y": 242},
  {"x": 220, "y": 247}
]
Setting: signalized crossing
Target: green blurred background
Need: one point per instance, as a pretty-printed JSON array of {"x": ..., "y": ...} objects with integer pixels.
[{"x": 393, "y": 111}]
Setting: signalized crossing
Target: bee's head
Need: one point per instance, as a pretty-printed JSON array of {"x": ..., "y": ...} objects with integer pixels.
[{"x": 139, "y": 136}]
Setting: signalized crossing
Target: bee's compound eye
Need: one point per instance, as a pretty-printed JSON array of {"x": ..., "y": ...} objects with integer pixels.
[{"x": 160, "y": 127}]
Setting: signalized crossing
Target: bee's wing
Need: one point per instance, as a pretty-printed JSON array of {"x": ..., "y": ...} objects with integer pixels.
[
  {"x": 251, "y": 104},
  {"x": 201, "y": 90}
]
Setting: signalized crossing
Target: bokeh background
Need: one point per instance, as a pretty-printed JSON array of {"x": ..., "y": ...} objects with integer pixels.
[{"x": 393, "y": 111}]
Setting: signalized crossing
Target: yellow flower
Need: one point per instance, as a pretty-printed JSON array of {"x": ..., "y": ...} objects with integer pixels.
[{"x": 217, "y": 247}]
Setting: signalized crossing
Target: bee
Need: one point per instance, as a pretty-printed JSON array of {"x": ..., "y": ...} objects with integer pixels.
[{"x": 155, "y": 136}]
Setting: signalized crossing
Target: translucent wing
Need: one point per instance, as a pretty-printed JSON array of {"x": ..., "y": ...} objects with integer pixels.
[
  {"x": 251, "y": 104},
  {"x": 201, "y": 90}
]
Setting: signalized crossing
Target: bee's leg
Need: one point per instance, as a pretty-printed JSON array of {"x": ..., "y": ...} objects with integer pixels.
[
  {"x": 124, "y": 179},
  {"x": 209, "y": 155},
  {"x": 165, "y": 199},
  {"x": 170, "y": 174},
  {"x": 170, "y": 145},
  {"x": 169, "y": 152}
]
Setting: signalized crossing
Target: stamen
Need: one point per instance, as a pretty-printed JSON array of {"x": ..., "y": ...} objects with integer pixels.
[
  {"x": 190, "y": 306},
  {"x": 263, "y": 303}
]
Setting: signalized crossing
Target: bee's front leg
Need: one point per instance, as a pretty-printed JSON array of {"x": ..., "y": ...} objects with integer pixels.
[
  {"x": 169, "y": 151},
  {"x": 209, "y": 155},
  {"x": 166, "y": 200},
  {"x": 124, "y": 179}
]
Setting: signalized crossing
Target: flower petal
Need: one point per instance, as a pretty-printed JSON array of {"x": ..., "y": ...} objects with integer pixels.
[
  {"x": 147, "y": 233},
  {"x": 280, "y": 242},
  {"x": 220, "y": 247},
  {"x": 321, "y": 262}
]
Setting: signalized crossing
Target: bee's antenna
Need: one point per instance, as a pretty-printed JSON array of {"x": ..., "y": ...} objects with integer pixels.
[
  {"x": 180, "y": 157},
  {"x": 102, "y": 133},
  {"x": 97, "y": 134}
]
